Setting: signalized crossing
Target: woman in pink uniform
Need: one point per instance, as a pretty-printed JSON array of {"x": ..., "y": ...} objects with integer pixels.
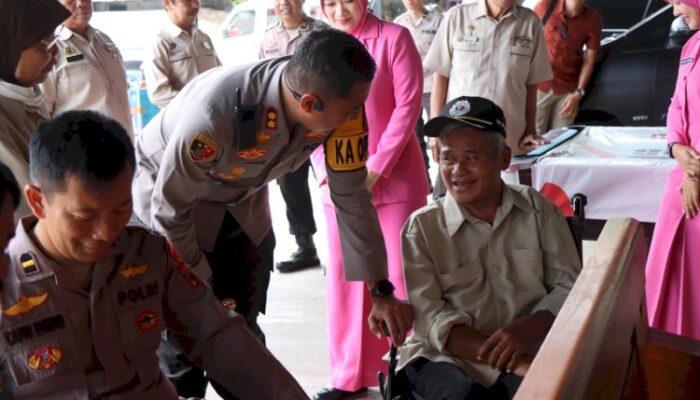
[
  {"x": 672, "y": 273},
  {"x": 396, "y": 177}
]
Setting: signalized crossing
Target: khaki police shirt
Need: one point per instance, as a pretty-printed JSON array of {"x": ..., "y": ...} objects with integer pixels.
[
  {"x": 462, "y": 270},
  {"x": 61, "y": 340},
  {"x": 423, "y": 32},
  {"x": 190, "y": 171},
  {"x": 177, "y": 58},
  {"x": 493, "y": 59},
  {"x": 279, "y": 42},
  {"x": 89, "y": 75},
  {"x": 18, "y": 121}
]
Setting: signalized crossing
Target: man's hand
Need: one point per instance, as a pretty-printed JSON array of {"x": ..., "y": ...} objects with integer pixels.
[
  {"x": 372, "y": 178},
  {"x": 434, "y": 149},
  {"x": 397, "y": 315},
  {"x": 570, "y": 107},
  {"x": 506, "y": 347},
  {"x": 529, "y": 141},
  {"x": 688, "y": 158},
  {"x": 690, "y": 189}
]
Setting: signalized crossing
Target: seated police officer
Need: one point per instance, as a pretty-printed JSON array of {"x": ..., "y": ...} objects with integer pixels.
[
  {"x": 487, "y": 267},
  {"x": 86, "y": 298}
]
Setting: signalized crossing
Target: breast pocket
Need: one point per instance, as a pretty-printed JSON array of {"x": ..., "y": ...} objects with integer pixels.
[
  {"x": 528, "y": 267},
  {"x": 520, "y": 59},
  {"x": 466, "y": 55},
  {"x": 464, "y": 287},
  {"x": 180, "y": 57}
]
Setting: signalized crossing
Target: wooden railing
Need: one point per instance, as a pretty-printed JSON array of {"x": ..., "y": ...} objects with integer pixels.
[{"x": 600, "y": 346}]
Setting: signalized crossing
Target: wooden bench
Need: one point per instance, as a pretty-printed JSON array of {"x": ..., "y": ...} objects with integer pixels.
[{"x": 600, "y": 346}]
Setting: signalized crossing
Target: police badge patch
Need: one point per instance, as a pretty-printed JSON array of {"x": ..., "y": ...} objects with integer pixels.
[
  {"x": 44, "y": 357},
  {"x": 203, "y": 149}
]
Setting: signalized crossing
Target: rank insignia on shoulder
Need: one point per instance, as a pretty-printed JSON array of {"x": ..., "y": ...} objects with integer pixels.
[
  {"x": 271, "y": 119},
  {"x": 25, "y": 304},
  {"x": 44, "y": 357},
  {"x": 203, "y": 149},
  {"x": 347, "y": 146},
  {"x": 147, "y": 321},
  {"x": 29, "y": 264},
  {"x": 304, "y": 24},
  {"x": 132, "y": 271}
]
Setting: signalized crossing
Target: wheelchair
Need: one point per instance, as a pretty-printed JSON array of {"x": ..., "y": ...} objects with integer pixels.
[{"x": 395, "y": 385}]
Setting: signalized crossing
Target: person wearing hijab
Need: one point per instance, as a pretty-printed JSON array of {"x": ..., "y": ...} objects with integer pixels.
[
  {"x": 396, "y": 177},
  {"x": 27, "y": 54},
  {"x": 672, "y": 274}
]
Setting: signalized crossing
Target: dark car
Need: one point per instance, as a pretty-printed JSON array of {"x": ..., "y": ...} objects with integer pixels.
[{"x": 637, "y": 64}]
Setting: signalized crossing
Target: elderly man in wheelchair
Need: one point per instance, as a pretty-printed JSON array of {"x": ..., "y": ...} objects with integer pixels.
[{"x": 487, "y": 267}]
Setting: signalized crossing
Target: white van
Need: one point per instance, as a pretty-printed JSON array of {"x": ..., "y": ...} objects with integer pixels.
[{"x": 241, "y": 33}]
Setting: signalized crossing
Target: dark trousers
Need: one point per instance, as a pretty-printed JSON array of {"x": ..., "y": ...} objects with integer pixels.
[
  {"x": 241, "y": 271},
  {"x": 295, "y": 191},
  {"x": 446, "y": 381},
  {"x": 419, "y": 134}
]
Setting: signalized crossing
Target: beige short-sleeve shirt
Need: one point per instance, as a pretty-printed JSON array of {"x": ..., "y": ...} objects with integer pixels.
[
  {"x": 177, "y": 58},
  {"x": 460, "y": 270},
  {"x": 494, "y": 59},
  {"x": 280, "y": 42},
  {"x": 423, "y": 32},
  {"x": 89, "y": 75}
]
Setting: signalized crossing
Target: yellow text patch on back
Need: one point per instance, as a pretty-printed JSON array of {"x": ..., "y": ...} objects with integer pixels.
[{"x": 347, "y": 147}]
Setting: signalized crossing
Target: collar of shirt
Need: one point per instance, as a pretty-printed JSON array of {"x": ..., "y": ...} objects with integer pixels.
[
  {"x": 456, "y": 215},
  {"x": 66, "y": 34},
  {"x": 304, "y": 25},
  {"x": 175, "y": 31},
  {"x": 482, "y": 11}
]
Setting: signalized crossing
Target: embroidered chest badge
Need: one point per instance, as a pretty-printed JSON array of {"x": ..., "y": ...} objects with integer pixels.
[
  {"x": 25, "y": 304},
  {"x": 263, "y": 137},
  {"x": 203, "y": 149},
  {"x": 132, "y": 271},
  {"x": 251, "y": 154},
  {"x": 183, "y": 268},
  {"x": 236, "y": 173},
  {"x": 147, "y": 321},
  {"x": 44, "y": 357}
]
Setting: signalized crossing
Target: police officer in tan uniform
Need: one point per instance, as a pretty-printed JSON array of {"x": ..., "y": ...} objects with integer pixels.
[
  {"x": 85, "y": 298},
  {"x": 180, "y": 53},
  {"x": 204, "y": 163},
  {"x": 281, "y": 38},
  {"x": 89, "y": 72}
]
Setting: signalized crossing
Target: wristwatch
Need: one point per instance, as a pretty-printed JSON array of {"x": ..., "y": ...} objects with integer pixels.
[
  {"x": 669, "y": 148},
  {"x": 580, "y": 91},
  {"x": 382, "y": 289}
]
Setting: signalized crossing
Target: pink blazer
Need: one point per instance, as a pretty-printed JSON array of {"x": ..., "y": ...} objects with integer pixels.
[{"x": 393, "y": 108}]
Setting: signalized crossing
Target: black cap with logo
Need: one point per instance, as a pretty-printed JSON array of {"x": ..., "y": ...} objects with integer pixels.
[{"x": 475, "y": 112}]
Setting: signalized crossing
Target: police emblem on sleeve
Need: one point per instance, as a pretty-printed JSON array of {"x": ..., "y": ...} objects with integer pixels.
[
  {"x": 147, "y": 321},
  {"x": 184, "y": 268},
  {"x": 203, "y": 149},
  {"x": 348, "y": 145}
]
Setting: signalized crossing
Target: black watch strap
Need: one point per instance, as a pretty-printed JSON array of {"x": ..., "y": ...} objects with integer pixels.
[
  {"x": 382, "y": 289},
  {"x": 669, "y": 148}
]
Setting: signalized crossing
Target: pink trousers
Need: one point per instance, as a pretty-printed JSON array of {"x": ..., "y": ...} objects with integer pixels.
[{"x": 355, "y": 353}]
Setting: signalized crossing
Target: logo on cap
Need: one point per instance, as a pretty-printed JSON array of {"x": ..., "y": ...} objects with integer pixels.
[{"x": 460, "y": 108}]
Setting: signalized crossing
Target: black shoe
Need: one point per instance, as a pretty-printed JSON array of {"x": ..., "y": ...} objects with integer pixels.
[
  {"x": 301, "y": 259},
  {"x": 331, "y": 393}
]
